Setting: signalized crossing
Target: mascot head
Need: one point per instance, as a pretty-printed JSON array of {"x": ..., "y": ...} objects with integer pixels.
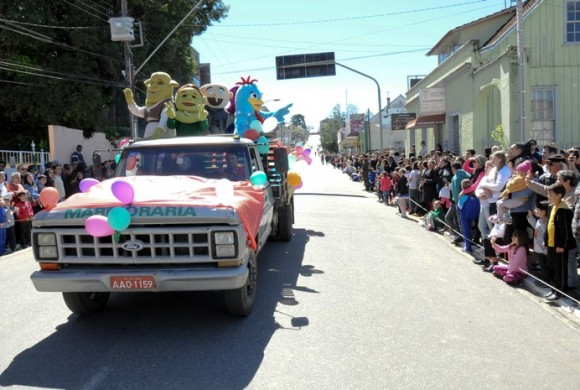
[
  {"x": 159, "y": 87},
  {"x": 188, "y": 101},
  {"x": 248, "y": 96},
  {"x": 217, "y": 96}
]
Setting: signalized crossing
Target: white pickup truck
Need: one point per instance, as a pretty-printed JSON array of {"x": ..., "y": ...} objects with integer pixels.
[{"x": 183, "y": 234}]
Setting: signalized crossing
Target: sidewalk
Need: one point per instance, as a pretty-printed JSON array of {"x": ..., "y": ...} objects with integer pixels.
[{"x": 566, "y": 304}]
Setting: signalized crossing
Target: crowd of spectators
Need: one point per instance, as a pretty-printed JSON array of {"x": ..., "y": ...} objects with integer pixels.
[
  {"x": 523, "y": 204},
  {"x": 20, "y": 195}
]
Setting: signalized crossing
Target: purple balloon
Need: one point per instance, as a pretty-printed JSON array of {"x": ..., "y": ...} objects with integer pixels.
[
  {"x": 85, "y": 184},
  {"x": 123, "y": 191},
  {"x": 98, "y": 226}
]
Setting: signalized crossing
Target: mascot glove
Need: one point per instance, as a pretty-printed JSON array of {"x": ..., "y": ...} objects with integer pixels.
[
  {"x": 128, "y": 96},
  {"x": 169, "y": 110}
]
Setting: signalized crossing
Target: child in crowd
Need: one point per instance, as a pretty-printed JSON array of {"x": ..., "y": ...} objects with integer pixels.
[
  {"x": 402, "y": 193},
  {"x": 371, "y": 179},
  {"x": 2, "y": 231},
  {"x": 539, "y": 224},
  {"x": 517, "y": 258},
  {"x": 7, "y": 208},
  {"x": 394, "y": 181},
  {"x": 434, "y": 219},
  {"x": 558, "y": 240},
  {"x": 41, "y": 183},
  {"x": 468, "y": 208},
  {"x": 385, "y": 187},
  {"x": 515, "y": 184},
  {"x": 24, "y": 215}
]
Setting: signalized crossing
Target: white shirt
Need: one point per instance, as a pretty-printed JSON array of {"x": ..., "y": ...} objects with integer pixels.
[{"x": 59, "y": 185}]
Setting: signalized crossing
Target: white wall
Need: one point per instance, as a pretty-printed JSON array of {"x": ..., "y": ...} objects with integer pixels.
[{"x": 63, "y": 142}]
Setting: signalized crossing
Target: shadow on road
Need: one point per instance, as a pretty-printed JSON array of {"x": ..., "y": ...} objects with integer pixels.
[{"x": 169, "y": 340}]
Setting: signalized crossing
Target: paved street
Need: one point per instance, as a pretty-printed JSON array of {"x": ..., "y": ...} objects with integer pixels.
[{"x": 359, "y": 299}]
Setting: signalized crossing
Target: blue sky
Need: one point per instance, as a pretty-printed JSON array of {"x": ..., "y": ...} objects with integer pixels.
[{"x": 387, "y": 40}]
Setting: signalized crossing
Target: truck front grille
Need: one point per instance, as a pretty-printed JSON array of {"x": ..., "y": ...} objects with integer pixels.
[{"x": 158, "y": 245}]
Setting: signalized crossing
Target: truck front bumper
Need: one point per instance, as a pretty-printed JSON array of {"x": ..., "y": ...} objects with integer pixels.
[{"x": 165, "y": 279}]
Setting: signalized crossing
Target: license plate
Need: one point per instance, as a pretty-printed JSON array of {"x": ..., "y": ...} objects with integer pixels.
[{"x": 132, "y": 282}]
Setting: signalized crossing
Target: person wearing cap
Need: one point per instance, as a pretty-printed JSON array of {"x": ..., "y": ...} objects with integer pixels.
[
  {"x": 517, "y": 183},
  {"x": 77, "y": 155}
]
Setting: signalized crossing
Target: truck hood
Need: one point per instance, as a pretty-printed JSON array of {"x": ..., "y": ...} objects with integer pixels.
[{"x": 164, "y": 200}]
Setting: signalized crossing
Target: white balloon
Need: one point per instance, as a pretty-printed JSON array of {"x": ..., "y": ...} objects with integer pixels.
[
  {"x": 224, "y": 191},
  {"x": 269, "y": 124}
]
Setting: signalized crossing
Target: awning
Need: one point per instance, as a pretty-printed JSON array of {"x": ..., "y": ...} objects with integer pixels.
[{"x": 426, "y": 121}]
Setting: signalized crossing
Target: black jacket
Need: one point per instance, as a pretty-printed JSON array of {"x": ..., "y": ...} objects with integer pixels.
[{"x": 563, "y": 224}]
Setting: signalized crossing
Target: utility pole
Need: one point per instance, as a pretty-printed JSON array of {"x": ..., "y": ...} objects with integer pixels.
[
  {"x": 521, "y": 63},
  {"x": 129, "y": 76}
]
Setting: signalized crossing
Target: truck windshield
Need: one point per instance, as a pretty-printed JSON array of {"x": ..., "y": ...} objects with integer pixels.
[{"x": 208, "y": 161}]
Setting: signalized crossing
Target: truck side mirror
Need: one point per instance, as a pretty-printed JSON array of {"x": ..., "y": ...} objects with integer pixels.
[
  {"x": 281, "y": 160},
  {"x": 97, "y": 169}
]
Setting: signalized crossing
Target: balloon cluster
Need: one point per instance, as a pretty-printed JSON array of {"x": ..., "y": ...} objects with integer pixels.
[
  {"x": 118, "y": 218},
  {"x": 257, "y": 132},
  {"x": 298, "y": 160}
]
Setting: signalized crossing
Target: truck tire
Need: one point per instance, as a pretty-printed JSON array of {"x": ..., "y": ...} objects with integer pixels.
[
  {"x": 285, "y": 221},
  {"x": 86, "y": 302},
  {"x": 239, "y": 302}
]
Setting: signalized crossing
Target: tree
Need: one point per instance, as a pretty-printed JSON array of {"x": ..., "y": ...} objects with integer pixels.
[
  {"x": 298, "y": 120},
  {"x": 332, "y": 125},
  {"x": 59, "y": 65}
]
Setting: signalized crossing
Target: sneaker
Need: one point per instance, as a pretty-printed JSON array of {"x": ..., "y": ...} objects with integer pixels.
[
  {"x": 554, "y": 297},
  {"x": 546, "y": 295}
]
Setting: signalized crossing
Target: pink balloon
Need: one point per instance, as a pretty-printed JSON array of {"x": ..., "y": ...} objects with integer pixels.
[
  {"x": 98, "y": 226},
  {"x": 123, "y": 191},
  {"x": 252, "y": 134},
  {"x": 308, "y": 160},
  {"x": 299, "y": 149},
  {"x": 87, "y": 183}
]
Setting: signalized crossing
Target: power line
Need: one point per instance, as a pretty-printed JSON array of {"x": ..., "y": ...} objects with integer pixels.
[
  {"x": 21, "y": 68},
  {"x": 352, "y": 17},
  {"x": 85, "y": 11},
  {"x": 15, "y": 22},
  {"x": 49, "y": 40}
]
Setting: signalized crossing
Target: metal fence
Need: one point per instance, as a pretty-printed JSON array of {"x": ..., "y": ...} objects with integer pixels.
[{"x": 13, "y": 158}]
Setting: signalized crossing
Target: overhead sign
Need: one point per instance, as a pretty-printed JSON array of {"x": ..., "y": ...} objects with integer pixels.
[
  {"x": 305, "y": 65},
  {"x": 432, "y": 100},
  {"x": 399, "y": 121}
]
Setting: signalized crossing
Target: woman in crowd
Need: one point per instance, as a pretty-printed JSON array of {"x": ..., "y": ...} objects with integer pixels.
[
  {"x": 49, "y": 173},
  {"x": 492, "y": 186},
  {"x": 429, "y": 185},
  {"x": 33, "y": 194}
]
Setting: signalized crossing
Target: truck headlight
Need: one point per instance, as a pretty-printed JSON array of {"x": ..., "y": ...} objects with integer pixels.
[
  {"x": 46, "y": 239},
  {"x": 224, "y": 245},
  {"x": 46, "y": 248},
  {"x": 47, "y": 252}
]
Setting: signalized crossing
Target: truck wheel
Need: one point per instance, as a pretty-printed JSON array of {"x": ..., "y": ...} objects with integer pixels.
[
  {"x": 239, "y": 302},
  {"x": 86, "y": 303},
  {"x": 285, "y": 221}
]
